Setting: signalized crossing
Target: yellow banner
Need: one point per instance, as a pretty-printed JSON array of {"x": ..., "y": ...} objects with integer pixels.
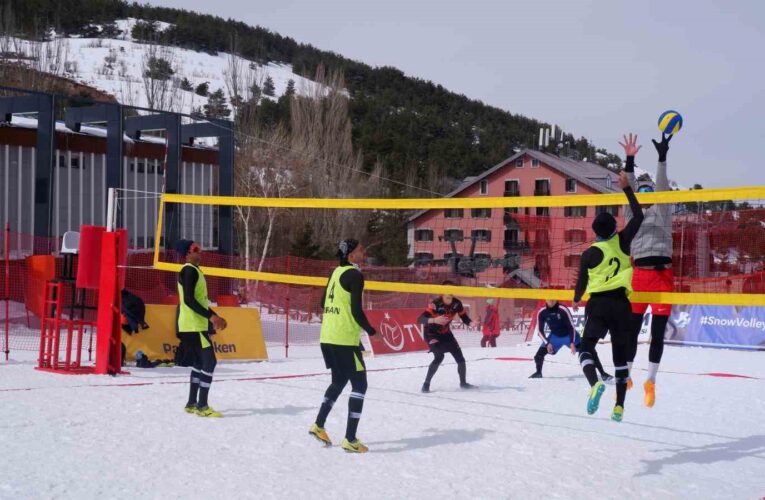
[{"x": 242, "y": 339}]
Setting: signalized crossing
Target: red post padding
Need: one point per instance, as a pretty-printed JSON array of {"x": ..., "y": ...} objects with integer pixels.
[
  {"x": 88, "y": 265},
  {"x": 109, "y": 337}
]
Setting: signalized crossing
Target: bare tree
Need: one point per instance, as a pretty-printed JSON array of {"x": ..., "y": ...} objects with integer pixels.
[
  {"x": 322, "y": 141},
  {"x": 157, "y": 68}
]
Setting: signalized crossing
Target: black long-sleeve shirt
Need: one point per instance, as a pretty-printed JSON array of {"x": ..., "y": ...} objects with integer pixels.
[
  {"x": 439, "y": 308},
  {"x": 593, "y": 256},
  {"x": 188, "y": 280},
  {"x": 352, "y": 282}
]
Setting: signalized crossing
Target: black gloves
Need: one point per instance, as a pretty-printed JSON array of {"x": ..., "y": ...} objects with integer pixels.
[{"x": 662, "y": 147}]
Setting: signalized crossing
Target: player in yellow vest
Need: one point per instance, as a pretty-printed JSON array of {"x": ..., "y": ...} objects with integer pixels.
[
  {"x": 194, "y": 320},
  {"x": 342, "y": 321},
  {"x": 605, "y": 272}
]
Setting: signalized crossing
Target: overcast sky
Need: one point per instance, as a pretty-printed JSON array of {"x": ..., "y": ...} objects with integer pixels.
[{"x": 597, "y": 68}]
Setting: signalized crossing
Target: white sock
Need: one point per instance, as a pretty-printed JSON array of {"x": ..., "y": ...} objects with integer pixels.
[
  {"x": 653, "y": 369},
  {"x": 629, "y": 368}
]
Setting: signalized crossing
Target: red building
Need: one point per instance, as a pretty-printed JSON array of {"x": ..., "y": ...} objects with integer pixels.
[{"x": 536, "y": 247}]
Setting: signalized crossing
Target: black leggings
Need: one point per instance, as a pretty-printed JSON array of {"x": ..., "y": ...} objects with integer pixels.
[
  {"x": 619, "y": 351},
  {"x": 658, "y": 328}
]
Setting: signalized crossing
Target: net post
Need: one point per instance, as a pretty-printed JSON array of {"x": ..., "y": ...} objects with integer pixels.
[
  {"x": 7, "y": 285},
  {"x": 287, "y": 315},
  {"x": 110, "y": 212}
]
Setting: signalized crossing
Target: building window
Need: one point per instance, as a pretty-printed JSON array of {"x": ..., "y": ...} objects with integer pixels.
[
  {"x": 511, "y": 235},
  {"x": 519, "y": 163},
  {"x": 481, "y": 235},
  {"x": 575, "y": 236},
  {"x": 454, "y": 213},
  {"x": 575, "y": 211},
  {"x": 480, "y": 213},
  {"x": 511, "y": 210},
  {"x": 484, "y": 186},
  {"x": 453, "y": 235},
  {"x": 534, "y": 163},
  {"x": 543, "y": 211},
  {"x": 423, "y": 258},
  {"x": 542, "y": 187},
  {"x": 423, "y": 235},
  {"x": 481, "y": 256},
  {"x": 512, "y": 188},
  {"x": 571, "y": 260},
  {"x": 570, "y": 185},
  {"x": 74, "y": 163},
  {"x": 609, "y": 209},
  {"x": 451, "y": 255},
  {"x": 608, "y": 182}
]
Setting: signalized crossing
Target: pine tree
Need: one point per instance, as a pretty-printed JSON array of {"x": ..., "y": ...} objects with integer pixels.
[
  {"x": 216, "y": 105},
  {"x": 186, "y": 85},
  {"x": 290, "y": 91},
  {"x": 203, "y": 89},
  {"x": 158, "y": 69},
  {"x": 268, "y": 87},
  {"x": 256, "y": 92},
  {"x": 303, "y": 245}
]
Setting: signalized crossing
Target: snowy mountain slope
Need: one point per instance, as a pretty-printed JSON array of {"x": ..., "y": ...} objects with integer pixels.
[{"x": 116, "y": 66}]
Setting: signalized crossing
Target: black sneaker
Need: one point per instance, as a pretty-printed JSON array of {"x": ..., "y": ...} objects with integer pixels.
[
  {"x": 425, "y": 387},
  {"x": 465, "y": 385},
  {"x": 605, "y": 377},
  {"x": 536, "y": 375}
]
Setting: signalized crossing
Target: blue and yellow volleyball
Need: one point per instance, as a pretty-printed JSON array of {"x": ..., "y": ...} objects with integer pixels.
[{"x": 670, "y": 122}]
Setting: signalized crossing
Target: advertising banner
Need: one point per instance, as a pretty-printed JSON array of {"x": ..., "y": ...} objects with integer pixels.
[
  {"x": 242, "y": 339},
  {"x": 578, "y": 317},
  {"x": 398, "y": 331},
  {"x": 728, "y": 326}
]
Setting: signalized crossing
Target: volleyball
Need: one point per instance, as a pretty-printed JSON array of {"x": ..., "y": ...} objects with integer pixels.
[{"x": 670, "y": 122}]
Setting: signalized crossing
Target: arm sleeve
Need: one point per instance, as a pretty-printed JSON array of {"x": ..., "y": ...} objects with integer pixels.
[
  {"x": 570, "y": 320},
  {"x": 353, "y": 282},
  {"x": 590, "y": 258},
  {"x": 633, "y": 226},
  {"x": 425, "y": 316},
  {"x": 188, "y": 279},
  {"x": 541, "y": 326},
  {"x": 662, "y": 184},
  {"x": 629, "y": 169},
  {"x": 464, "y": 316}
]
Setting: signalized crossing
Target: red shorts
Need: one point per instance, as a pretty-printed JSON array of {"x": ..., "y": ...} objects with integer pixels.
[{"x": 651, "y": 280}]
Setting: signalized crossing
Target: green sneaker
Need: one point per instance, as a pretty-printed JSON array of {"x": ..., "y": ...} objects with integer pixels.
[
  {"x": 594, "y": 400},
  {"x": 190, "y": 408},
  {"x": 354, "y": 446},
  {"x": 617, "y": 414},
  {"x": 208, "y": 412}
]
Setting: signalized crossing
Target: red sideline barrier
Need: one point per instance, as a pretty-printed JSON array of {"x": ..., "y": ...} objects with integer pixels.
[{"x": 397, "y": 331}]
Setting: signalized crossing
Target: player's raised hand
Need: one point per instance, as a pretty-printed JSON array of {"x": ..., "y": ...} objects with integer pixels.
[{"x": 630, "y": 145}]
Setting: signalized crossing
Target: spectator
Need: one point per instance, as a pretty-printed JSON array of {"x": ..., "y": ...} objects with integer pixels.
[{"x": 490, "y": 327}]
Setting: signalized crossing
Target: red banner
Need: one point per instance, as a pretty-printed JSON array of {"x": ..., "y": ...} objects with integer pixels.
[{"x": 397, "y": 331}]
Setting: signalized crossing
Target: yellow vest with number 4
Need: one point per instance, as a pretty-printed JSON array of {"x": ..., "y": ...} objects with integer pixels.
[
  {"x": 188, "y": 320},
  {"x": 337, "y": 325},
  {"x": 613, "y": 272}
]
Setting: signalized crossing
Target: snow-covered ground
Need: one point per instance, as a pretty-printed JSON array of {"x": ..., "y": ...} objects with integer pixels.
[
  {"x": 128, "y": 437},
  {"x": 115, "y": 66}
]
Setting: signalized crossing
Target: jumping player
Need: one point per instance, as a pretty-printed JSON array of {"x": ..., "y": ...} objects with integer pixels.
[
  {"x": 194, "y": 319},
  {"x": 558, "y": 319},
  {"x": 340, "y": 342},
  {"x": 652, "y": 254},
  {"x": 440, "y": 339},
  {"x": 605, "y": 273}
]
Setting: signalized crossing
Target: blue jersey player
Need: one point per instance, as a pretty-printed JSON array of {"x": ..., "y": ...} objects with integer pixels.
[{"x": 558, "y": 320}]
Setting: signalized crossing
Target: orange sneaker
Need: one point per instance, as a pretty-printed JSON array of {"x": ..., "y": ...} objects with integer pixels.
[
  {"x": 629, "y": 383},
  {"x": 650, "y": 393}
]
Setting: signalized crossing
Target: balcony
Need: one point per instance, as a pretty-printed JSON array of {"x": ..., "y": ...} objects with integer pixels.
[
  {"x": 512, "y": 192},
  {"x": 516, "y": 246}
]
